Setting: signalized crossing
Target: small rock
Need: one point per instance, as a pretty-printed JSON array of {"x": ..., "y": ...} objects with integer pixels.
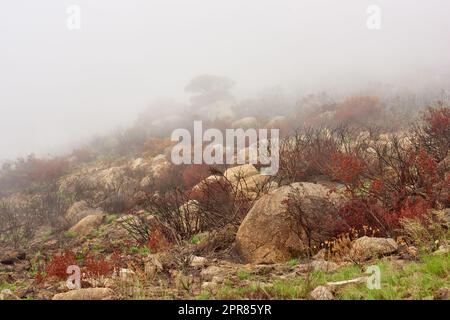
[
  {"x": 86, "y": 294},
  {"x": 217, "y": 279},
  {"x": 318, "y": 265},
  {"x": 12, "y": 257},
  {"x": 198, "y": 261},
  {"x": 210, "y": 272},
  {"x": 7, "y": 294},
  {"x": 366, "y": 248},
  {"x": 209, "y": 286},
  {"x": 322, "y": 293},
  {"x": 86, "y": 225},
  {"x": 323, "y": 265},
  {"x": 441, "y": 251},
  {"x": 409, "y": 253},
  {"x": 442, "y": 294}
]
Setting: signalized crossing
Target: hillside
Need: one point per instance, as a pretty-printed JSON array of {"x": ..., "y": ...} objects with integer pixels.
[{"x": 359, "y": 208}]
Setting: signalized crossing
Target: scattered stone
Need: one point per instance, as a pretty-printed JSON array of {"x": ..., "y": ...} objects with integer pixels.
[
  {"x": 409, "y": 253},
  {"x": 7, "y": 294},
  {"x": 217, "y": 279},
  {"x": 210, "y": 286},
  {"x": 12, "y": 256},
  {"x": 442, "y": 294},
  {"x": 322, "y": 293},
  {"x": 210, "y": 272},
  {"x": 442, "y": 250},
  {"x": 86, "y": 294},
  {"x": 366, "y": 248},
  {"x": 198, "y": 261}
]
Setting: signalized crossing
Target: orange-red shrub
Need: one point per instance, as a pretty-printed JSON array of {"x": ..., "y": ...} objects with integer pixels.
[
  {"x": 58, "y": 265},
  {"x": 97, "y": 266},
  {"x": 345, "y": 167},
  {"x": 157, "y": 241}
]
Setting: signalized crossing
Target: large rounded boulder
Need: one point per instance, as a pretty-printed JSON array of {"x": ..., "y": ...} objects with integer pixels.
[{"x": 270, "y": 234}]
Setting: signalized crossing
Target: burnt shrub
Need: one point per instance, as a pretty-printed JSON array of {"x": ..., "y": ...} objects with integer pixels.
[{"x": 432, "y": 133}]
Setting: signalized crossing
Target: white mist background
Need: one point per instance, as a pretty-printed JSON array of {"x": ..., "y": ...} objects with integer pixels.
[{"x": 59, "y": 87}]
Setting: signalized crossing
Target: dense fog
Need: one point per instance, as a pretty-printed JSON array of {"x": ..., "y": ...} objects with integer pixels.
[{"x": 61, "y": 85}]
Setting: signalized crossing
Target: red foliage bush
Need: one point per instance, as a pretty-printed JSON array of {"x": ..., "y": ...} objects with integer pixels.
[
  {"x": 305, "y": 155},
  {"x": 433, "y": 134},
  {"x": 437, "y": 120},
  {"x": 407, "y": 190},
  {"x": 57, "y": 267},
  {"x": 97, "y": 266},
  {"x": 157, "y": 241},
  {"x": 345, "y": 167}
]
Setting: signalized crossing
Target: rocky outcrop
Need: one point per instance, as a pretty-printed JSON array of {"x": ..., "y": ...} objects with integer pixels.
[
  {"x": 76, "y": 211},
  {"x": 247, "y": 179},
  {"x": 86, "y": 225},
  {"x": 80, "y": 210},
  {"x": 269, "y": 234}
]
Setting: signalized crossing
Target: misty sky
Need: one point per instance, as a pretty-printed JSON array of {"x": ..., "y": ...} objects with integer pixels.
[{"x": 59, "y": 86}]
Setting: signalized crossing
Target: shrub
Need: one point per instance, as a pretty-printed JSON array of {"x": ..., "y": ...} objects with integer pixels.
[
  {"x": 427, "y": 232},
  {"x": 96, "y": 266},
  {"x": 46, "y": 170},
  {"x": 433, "y": 132},
  {"x": 305, "y": 154},
  {"x": 345, "y": 167},
  {"x": 317, "y": 224},
  {"x": 57, "y": 267},
  {"x": 157, "y": 240}
]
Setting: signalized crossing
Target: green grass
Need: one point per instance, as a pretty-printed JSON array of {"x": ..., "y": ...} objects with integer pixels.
[
  {"x": 143, "y": 250},
  {"x": 70, "y": 234},
  {"x": 204, "y": 296},
  {"x": 111, "y": 218},
  {"x": 293, "y": 262},
  {"x": 243, "y": 275},
  {"x": 198, "y": 238},
  {"x": 413, "y": 280}
]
